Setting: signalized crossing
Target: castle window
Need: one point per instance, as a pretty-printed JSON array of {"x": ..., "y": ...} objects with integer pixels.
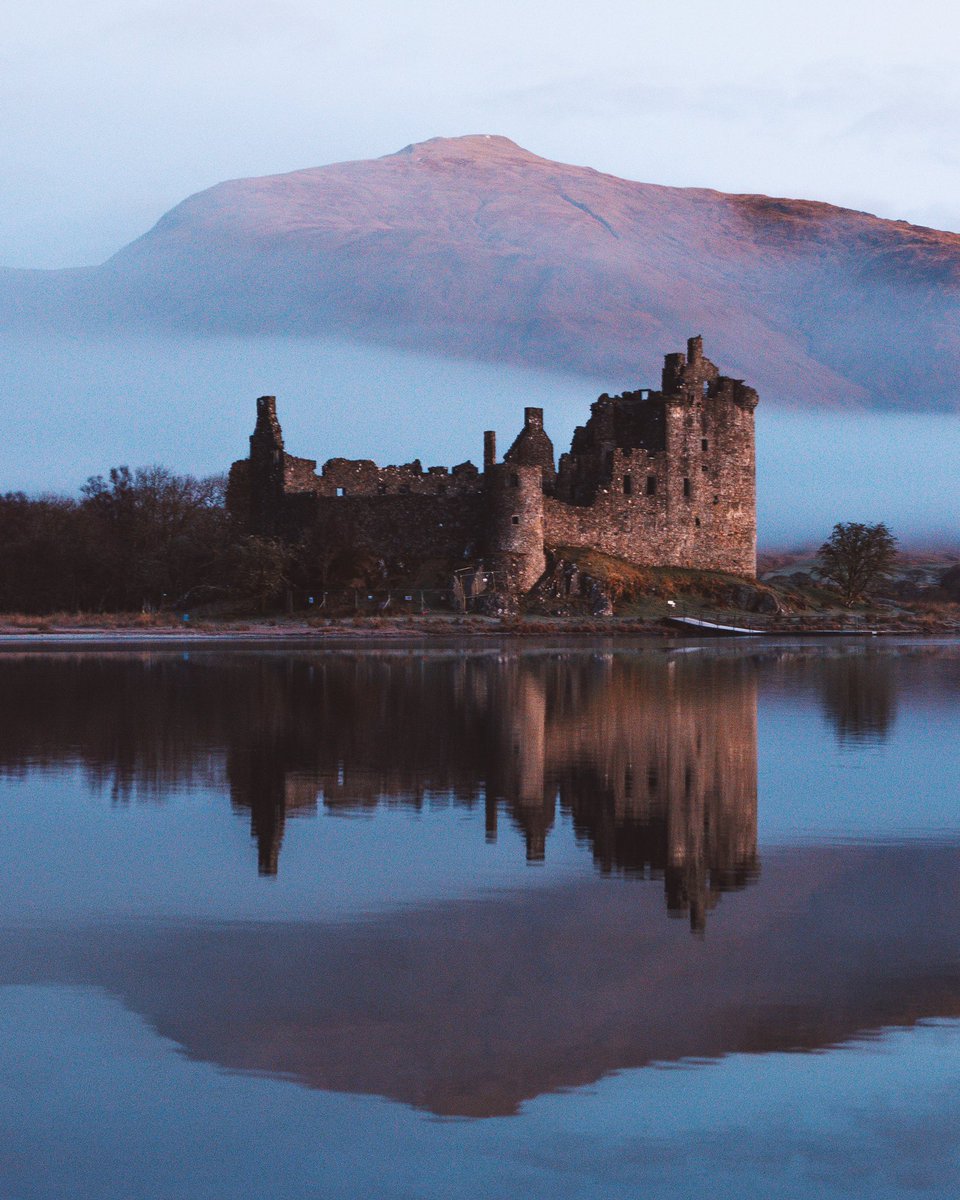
[
  {"x": 686, "y": 488},
  {"x": 706, "y": 386},
  {"x": 628, "y": 485},
  {"x": 651, "y": 485},
  {"x": 341, "y": 491},
  {"x": 716, "y": 499},
  {"x": 696, "y": 522},
  {"x": 514, "y": 480},
  {"x": 704, "y": 444},
  {"x": 515, "y": 520}
]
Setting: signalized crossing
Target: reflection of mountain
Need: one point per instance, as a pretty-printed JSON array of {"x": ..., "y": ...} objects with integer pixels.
[{"x": 472, "y": 1006}]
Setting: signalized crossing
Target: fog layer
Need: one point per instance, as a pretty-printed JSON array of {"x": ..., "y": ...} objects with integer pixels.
[{"x": 76, "y": 407}]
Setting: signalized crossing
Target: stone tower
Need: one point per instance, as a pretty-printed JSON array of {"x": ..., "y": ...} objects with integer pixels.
[
  {"x": 514, "y": 521},
  {"x": 266, "y": 471},
  {"x": 710, "y": 462}
]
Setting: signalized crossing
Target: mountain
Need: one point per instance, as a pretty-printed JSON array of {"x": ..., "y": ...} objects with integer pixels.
[
  {"x": 471, "y": 1007},
  {"x": 474, "y": 247}
]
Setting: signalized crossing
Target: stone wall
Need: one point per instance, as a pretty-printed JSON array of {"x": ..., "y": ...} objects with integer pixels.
[
  {"x": 362, "y": 477},
  {"x": 406, "y": 527},
  {"x": 657, "y": 478}
]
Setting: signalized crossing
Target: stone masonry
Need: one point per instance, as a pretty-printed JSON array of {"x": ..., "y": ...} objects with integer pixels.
[{"x": 658, "y": 478}]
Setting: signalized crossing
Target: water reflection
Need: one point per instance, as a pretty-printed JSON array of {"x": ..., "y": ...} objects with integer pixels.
[
  {"x": 859, "y": 696},
  {"x": 652, "y": 755},
  {"x": 468, "y": 1005},
  {"x": 655, "y": 758}
]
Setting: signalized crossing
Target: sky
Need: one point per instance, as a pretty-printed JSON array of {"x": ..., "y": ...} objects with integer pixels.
[{"x": 111, "y": 111}]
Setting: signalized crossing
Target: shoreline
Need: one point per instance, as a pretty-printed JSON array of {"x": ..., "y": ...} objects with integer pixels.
[{"x": 273, "y": 634}]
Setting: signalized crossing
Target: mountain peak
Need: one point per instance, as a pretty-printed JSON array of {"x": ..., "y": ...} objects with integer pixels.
[{"x": 470, "y": 145}]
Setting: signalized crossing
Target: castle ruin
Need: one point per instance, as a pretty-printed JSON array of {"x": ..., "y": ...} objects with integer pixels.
[{"x": 657, "y": 478}]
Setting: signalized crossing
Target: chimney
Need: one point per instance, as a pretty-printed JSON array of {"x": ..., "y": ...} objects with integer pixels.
[{"x": 489, "y": 449}]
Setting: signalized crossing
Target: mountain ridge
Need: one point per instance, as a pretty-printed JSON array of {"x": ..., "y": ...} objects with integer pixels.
[{"x": 475, "y": 247}]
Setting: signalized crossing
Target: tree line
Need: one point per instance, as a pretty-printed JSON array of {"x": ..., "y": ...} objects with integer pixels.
[
  {"x": 153, "y": 539},
  {"x": 144, "y": 539}
]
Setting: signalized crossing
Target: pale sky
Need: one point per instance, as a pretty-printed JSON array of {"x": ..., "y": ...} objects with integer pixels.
[{"x": 111, "y": 111}]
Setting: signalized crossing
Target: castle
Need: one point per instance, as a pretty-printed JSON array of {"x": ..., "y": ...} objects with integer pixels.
[{"x": 658, "y": 478}]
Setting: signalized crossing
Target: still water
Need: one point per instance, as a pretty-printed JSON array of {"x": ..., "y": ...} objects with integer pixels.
[{"x": 546, "y": 921}]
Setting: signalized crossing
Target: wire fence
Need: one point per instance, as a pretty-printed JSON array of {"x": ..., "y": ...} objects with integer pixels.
[
  {"x": 384, "y": 601},
  {"x": 473, "y": 594}
]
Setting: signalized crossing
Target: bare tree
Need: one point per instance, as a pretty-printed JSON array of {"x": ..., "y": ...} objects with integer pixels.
[{"x": 855, "y": 558}]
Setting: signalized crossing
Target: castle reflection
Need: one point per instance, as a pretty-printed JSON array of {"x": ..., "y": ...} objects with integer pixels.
[
  {"x": 648, "y": 754},
  {"x": 653, "y": 758}
]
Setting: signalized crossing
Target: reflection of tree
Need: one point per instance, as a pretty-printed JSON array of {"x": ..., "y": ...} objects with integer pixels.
[{"x": 860, "y": 696}]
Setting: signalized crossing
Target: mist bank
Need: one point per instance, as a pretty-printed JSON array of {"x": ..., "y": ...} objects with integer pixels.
[
  {"x": 75, "y": 406},
  {"x": 473, "y": 247}
]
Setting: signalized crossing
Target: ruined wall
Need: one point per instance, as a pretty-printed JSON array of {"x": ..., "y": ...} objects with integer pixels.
[
  {"x": 633, "y": 421},
  {"x": 362, "y": 477},
  {"x": 263, "y": 486},
  {"x": 407, "y": 527},
  {"x": 688, "y": 510}
]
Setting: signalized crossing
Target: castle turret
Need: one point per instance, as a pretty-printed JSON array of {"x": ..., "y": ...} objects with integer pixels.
[
  {"x": 532, "y": 447},
  {"x": 688, "y": 376},
  {"x": 514, "y": 534}
]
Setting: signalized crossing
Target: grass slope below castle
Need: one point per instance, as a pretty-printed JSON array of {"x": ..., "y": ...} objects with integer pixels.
[{"x": 582, "y": 591}]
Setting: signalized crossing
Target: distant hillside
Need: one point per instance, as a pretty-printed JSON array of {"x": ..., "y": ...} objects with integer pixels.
[{"x": 474, "y": 247}]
